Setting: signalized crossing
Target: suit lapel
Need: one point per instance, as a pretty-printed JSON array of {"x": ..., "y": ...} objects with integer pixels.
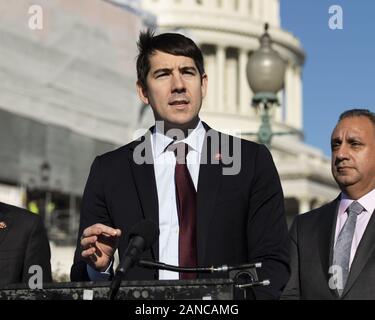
[
  {"x": 7, "y": 220},
  {"x": 208, "y": 185},
  {"x": 364, "y": 250},
  {"x": 327, "y": 237},
  {"x": 142, "y": 167}
]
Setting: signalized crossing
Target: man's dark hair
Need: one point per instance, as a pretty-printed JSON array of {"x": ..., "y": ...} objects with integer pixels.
[
  {"x": 358, "y": 113},
  {"x": 172, "y": 43}
]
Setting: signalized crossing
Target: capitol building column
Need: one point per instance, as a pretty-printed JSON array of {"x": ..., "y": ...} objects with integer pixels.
[
  {"x": 209, "y": 4},
  {"x": 298, "y": 98},
  {"x": 244, "y": 6},
  {"x": 304, "y": 205},
  {"x": 231, "y": 81},
  {"x": 293, "y": 96},
  {"x": 245, "y": 91},
  {"x": 220, "y": 78},
  {"x": 257, "y": 10},
  {"x": 210, "y": 68},
  {"x": 289, "y": 96},
  {"x": 278, "y": 110},
  {"x": 227, "y": 5}
]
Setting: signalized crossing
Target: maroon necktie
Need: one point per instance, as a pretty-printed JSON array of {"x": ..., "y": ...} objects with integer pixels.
[{"x": 186, "y": 197}]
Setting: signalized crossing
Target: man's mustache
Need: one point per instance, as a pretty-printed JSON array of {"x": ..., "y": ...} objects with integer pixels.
[{"x": 178, "y": 98}]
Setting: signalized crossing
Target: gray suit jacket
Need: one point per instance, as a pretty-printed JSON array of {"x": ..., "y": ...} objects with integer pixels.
[{"x": 311, "y": 245}]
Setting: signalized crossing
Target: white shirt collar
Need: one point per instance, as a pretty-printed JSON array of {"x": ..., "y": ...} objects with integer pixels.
[{"x": 195, "y": 140}]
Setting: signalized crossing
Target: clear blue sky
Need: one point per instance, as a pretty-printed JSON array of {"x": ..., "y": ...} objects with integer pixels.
[{"x": 340, "y": 67}]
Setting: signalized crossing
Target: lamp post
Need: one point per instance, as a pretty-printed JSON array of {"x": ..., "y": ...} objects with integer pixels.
[
  {"x": 45, "y": 173},
  {"x": 265, "y": 74}
]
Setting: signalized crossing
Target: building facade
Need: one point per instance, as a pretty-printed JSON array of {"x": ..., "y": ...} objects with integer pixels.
[{"x": 67, "y": 94}]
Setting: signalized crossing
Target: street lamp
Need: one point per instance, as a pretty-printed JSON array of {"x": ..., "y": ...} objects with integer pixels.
[
  {"x": 265, "y": 73},
  {"x": 45, "y": 173}
]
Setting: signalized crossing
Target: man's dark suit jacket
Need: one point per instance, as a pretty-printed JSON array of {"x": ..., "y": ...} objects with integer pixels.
[
  {"x": 240, "y": 218},
  {"x": 311, "y": 241},
  {"x": 23, "y": 243}
]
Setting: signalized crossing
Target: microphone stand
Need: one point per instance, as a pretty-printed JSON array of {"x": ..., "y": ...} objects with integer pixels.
[
  {"x": 120, "y": 273},
  {"x": 115, "y": 283},
  {"x": 224, "y": 268}
]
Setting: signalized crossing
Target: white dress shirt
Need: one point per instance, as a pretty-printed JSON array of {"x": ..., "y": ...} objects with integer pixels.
[{"x": 164, "y": 166}]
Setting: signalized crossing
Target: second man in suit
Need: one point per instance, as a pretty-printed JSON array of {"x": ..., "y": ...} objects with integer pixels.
[
  {"x": 24, "y": 247},
  {"x": 333, "y": 247}
]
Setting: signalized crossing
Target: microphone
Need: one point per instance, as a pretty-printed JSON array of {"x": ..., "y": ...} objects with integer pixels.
[{"x": 141, "y": 237}]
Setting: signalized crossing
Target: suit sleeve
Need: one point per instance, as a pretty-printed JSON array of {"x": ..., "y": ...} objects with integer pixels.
[
  {"x": 267, "y": 228},
  {"x": 93, "y": 210},
  {"x": 292, "y": 289},
  {"x": 37, "y": 252}
]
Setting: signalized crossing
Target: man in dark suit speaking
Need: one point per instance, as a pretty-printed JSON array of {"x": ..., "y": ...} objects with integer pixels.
[
  {"x": 332, "y": 247},
  {"x": 24, "y": 247},
  {"x": 216, "y": 199}
]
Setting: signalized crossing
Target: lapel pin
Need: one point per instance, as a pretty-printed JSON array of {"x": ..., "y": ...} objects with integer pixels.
[
  {"x": 218, "y": 156},
  {"x": 3, "y": 225}
]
